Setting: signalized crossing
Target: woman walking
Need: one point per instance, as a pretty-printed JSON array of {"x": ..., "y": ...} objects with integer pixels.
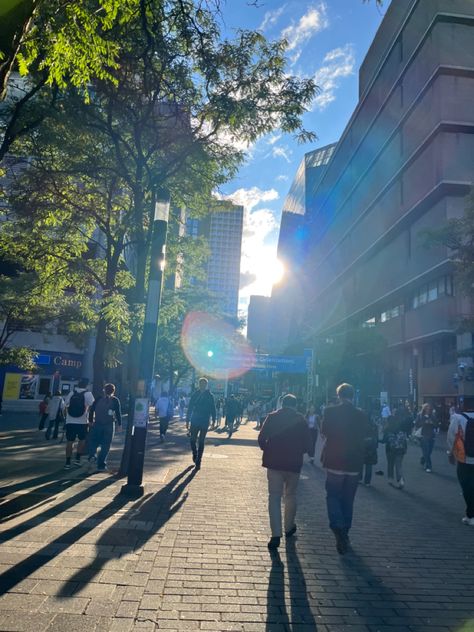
[
  {"x": 426, "y": 422},
  {"x": 396, "y": 443}
]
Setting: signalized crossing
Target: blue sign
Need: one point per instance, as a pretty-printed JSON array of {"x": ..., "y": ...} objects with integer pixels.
[{"x": 42, "y": 359}]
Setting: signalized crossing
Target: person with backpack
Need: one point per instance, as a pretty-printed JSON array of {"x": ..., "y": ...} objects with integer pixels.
[
  {"x": 78, "y": 403},
  {"x": 396, "y": 444},
  {"x": 56, "y": 409},
  {"x": 460, "y": 441},
  {"x": 104, "y": 414}
]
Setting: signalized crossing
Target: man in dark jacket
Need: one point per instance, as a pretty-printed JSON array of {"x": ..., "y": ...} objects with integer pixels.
[
  {"x": 284, "y": 439},
  {"x": 345, "y": 429},
  {"x": 201, "y": 408}
]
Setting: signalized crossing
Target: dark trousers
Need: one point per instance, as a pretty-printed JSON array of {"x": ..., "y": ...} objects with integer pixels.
[
  {"x": 198, "y": 436},
  {"x": 368, "y": 473},
  {"x": 53, "y": 423},
  {"x": 465, "y": 474},
  {"x": 313, "y": 432},
  {"x": 340, "y": 493},
  {"x": 164, "y": 421},
  {"x": 42, "y": 421},
  {"x": 229, "y": 422},
  {"x": 100, "y": 436}
]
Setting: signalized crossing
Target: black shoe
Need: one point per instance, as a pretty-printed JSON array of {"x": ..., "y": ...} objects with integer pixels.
[
  {"x": 273, "y": 543},
  {"x": 291, "y": 532},
  {"x": 197, "y": 467},
  {"x": 341, "y": 542}
]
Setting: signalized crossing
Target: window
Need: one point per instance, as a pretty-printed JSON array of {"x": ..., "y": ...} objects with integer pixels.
[
  {"x": 439, "y": 352},
  {"x": 432, "y": 291}
]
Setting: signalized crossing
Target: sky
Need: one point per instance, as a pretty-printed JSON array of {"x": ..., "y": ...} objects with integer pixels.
[{"x": 328, "y": 40}]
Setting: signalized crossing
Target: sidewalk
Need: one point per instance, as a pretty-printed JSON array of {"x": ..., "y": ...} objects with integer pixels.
[{"x": 191, "y": 554}]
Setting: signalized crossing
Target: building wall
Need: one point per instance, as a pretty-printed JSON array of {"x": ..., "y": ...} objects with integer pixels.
[{"x": 403, "y": 165}]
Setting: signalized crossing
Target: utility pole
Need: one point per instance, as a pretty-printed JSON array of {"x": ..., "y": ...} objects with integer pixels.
[{"x": 146, "y": 373}]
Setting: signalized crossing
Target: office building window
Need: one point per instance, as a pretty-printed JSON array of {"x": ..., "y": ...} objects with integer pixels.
[
  {"x": 439, "y": 352},
  {"x": 429, "y": 292}
]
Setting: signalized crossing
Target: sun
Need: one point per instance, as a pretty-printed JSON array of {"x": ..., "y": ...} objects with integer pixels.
[
  {"x": 268, "y": 271},
  {"x": 277, "y": 272}
]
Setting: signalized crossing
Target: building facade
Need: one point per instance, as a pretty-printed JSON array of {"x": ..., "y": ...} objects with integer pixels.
[
  {"x": 404, "y": 164},
  {"x": 257, "y": 322},
  {"x": 223, "y": 230}
]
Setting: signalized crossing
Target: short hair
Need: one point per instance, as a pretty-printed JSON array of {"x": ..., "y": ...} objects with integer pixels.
[
  {"x": 289, "y": 401},
  {"x": 83, "y": 382},
  {"x": 345, "y": 391},
  {"x": 109, "y": 389},
  {"x": 203, "y": 379}
]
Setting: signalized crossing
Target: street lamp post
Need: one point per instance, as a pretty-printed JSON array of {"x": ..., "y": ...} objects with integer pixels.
[{"x": 141, "y": 403}]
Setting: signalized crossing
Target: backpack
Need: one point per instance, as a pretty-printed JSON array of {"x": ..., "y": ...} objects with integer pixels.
[
  {"x": 397, "y": 442},
  {"x": 77, "y": 404},
  {"x": 469, "y": 437}
]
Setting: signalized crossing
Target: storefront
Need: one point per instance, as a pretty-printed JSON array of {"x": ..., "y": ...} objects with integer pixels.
[{"x": 56, "y": 371}]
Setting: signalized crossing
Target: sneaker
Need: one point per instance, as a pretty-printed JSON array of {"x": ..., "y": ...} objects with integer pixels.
[
  {"x": 428, "y": 470},
  {"x": 367, "y": 484},
  {"x": 465, "y": 520},
  {"x": 67, "y": 466},
  {"x": 471, "y": 522},
  {"x": 273, "y": 543},
  {"x": 401, "y": 484}
]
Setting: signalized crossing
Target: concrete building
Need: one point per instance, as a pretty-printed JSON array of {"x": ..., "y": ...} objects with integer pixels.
[
  {"x": 223, "y": 231},
  {"x": 404, "y": 164},
  {"x": 257, "y": 322}
]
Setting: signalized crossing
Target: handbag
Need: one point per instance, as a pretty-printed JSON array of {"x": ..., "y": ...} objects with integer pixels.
[{"x": 418, "y": 433}]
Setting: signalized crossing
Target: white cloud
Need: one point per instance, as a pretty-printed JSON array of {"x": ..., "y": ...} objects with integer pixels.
[
  {"x": 281, "y": 152},
  {"x": 258, "y": 226},
  {"x": 250, "y": 198},
  {"x": 313, "y": 21},
  {"x": 274, "y": 139},
  {"x": 282, "y": 178},
  {"x": 337, "y": 64},
  {"x": 271, "y": 18}
]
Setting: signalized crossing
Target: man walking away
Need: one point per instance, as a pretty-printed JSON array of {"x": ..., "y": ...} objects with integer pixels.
[
  {"x": 163, "y": 408},
  {"x": 460, "y": 441},
  {"x": 345, "y": 429},
  {"x": 231, "y": 413},
  {"x": 284, "y": 439},
  {"x": 202, "y": 407},
  {"x": 104, "y": 413},
  {"x": 77, "y": 403}
]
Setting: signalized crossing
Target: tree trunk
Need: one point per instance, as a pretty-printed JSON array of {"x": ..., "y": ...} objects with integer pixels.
[{"x": 98, "y": 361}]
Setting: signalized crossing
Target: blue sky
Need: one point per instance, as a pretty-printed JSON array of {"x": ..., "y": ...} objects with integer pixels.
[{"x": 328, "y": 40}]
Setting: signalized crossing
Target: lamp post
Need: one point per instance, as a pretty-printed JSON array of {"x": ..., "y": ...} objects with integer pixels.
[{"x": 146, "y": 372}]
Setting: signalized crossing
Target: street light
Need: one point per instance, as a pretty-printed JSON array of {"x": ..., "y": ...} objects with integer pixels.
[{"x": 146, "y": 372}]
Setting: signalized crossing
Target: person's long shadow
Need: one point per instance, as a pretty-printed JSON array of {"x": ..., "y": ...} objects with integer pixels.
[
  {"x": 157, "y": 508},
  {"x": 277, "y": 614},
  {"x": 300, "y": 607}
]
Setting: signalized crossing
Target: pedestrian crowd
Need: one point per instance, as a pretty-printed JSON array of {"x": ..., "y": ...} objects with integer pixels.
[{"x": 349, "y": 453}]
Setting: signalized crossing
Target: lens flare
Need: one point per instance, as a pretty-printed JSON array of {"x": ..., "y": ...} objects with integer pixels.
[{"x": 214, "y": 347}]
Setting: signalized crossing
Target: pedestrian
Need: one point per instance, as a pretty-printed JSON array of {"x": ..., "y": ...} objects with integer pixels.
[
  {"x": 163, "y": 409},
  {"x": 460, "y": 440},
  {"x": 231, "y": 413},
  {"x": 426, "y": 423},
  {"x": 312, "y": 421},
  {"x": 370, "y": 454},
  {"x": 182, "y": 406},
  {"x": 201, "y": 409},
  {"x": 385, "y": 412},
  {"x": 396, "y": 445},
  {"x": 104, "y": 415},
  {"x": 78, "y": 403},
  {"x": 43, "y": 410},
  {"x": 345, "y": 429},
  {"x": 284, "y": 439},
  {"x": 56, "y": 410}
]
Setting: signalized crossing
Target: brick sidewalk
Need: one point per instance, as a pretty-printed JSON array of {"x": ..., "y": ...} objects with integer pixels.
[{"x": 191, "y": 554}]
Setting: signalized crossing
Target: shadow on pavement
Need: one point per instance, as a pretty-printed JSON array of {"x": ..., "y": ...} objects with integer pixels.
[
  {"x": 277, "y": 614},
  {"x": 157, "y": 508},
  {"x": 23, "y": 569}
]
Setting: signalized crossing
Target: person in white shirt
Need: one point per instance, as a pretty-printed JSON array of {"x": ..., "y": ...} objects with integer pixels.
[
  {"x": 460, "y": 443},
  {"x": 77, "y": 403},
  {"x": 162, "y": 407},
  {"x": 56, "y": 410}
]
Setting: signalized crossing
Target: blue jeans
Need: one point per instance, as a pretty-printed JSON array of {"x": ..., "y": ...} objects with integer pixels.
[
  {"x": 340, "y": 493},
  {"x": 101, "y": 435},
  {"x": 427, "y": 446}
]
